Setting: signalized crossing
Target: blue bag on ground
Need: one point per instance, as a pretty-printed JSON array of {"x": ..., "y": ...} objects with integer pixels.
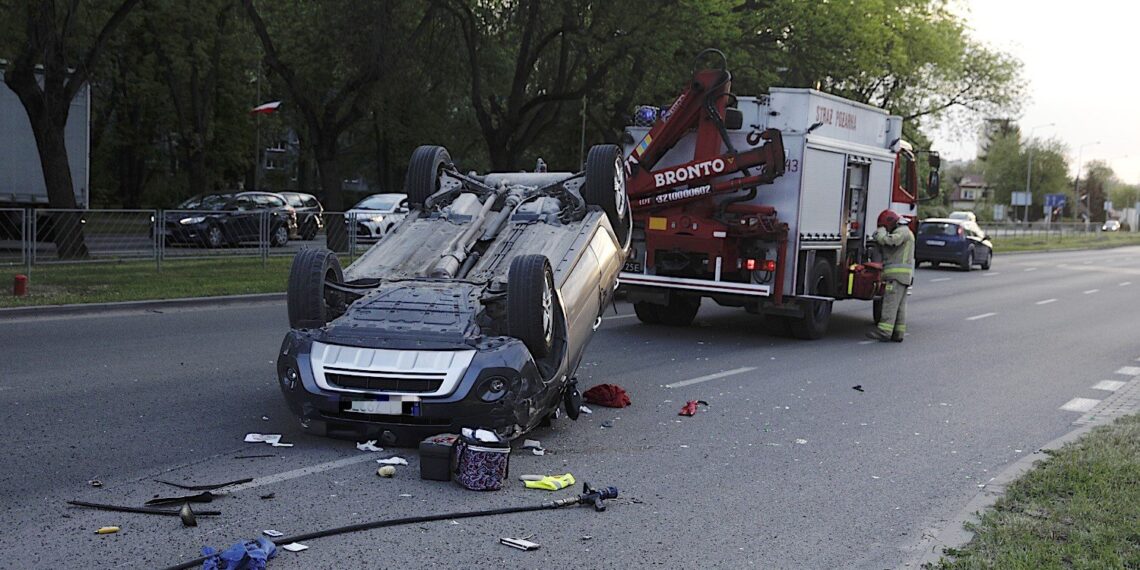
[{"x": 248, "y": 555}]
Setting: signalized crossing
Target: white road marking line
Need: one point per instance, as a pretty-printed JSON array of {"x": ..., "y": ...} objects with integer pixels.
[
  {"x": 1091, "y": 291},
  {"x": 1080, "y": 405},
  {"x": 700, "y": 379},
  {"x": 991, "y": 273},
  {"x": 868, "y": 341},
  {"x": 1046, "y": 301},
  {"x": 1129, "y": 370},
  {"x": 1108, "y": 385},
  {"x": 312, "y": 469},
  {"x": 614, "y": 318},
  {"x": 1125, "y": 283},
  {"x": 1031, "y": 269},
  {"x": 981, "y": 316},
  {"x": 939, "y": 279}
]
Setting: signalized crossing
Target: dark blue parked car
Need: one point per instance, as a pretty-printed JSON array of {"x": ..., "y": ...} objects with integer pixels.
[{"x": 961, "y": 242}]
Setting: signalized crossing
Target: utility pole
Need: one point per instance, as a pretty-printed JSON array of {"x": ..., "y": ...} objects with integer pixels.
[
  {"x": 1029, "y": 169},
  {"x": 1077, "y": 181}
]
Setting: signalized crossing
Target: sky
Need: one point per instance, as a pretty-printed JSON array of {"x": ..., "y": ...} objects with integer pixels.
[{"x": 1079, "y": 63}]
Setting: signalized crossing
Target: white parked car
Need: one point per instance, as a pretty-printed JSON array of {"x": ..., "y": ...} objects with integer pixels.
[{"x": 377, "y": 214}]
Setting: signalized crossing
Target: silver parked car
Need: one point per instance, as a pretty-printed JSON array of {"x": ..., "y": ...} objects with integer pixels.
[
  {"x": 376, "y": 215},
  {"x": 474, "y": 311}
]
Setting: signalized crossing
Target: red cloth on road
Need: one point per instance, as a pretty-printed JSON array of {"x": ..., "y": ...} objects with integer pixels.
[
  {"x": 609, "y": 395},
  {"x": 689, "y": 409}
]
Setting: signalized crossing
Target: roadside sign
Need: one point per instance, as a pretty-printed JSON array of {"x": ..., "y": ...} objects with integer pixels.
[
  {"x": 1055, "y": 200},
  {"x": 1021, "y": 199}
]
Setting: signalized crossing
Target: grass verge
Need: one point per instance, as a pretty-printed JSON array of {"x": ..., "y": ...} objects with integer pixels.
[
  {"x": 1054, "y": 242},
  {"x": 139, "y": 280},
  {"x": 1080, "y": 508}
]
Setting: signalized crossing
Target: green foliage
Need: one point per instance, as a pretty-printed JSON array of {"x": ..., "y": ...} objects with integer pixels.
[{"x": 1006, "y": 165}]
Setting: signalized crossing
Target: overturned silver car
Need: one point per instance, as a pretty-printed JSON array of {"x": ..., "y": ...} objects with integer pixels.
[{"x": 474, "y": 311}]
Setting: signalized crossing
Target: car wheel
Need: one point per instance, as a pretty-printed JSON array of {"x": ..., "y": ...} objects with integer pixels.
[
  {"x": 605, "y": 187},
  {"x": 969, "y": 264},
  {"x": 531, "y": 303},
  {"x": 423, "y": 172},
  {"x": 280, "y": 236},
  {"x": 989, "y": 260},
  {"x": 311, "y": 304},
  {"x": 648, "y": 313},
  {"x": 214, "y": 236},
  {"x": 680, "y": 311},
  {"x": 817, "y": 314},
  {"x": 309, "y": 231}
]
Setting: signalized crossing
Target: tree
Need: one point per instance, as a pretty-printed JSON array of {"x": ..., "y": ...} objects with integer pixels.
[
  {"x": 1005, "y": 167},
  {"x": 66, "y": 38}
]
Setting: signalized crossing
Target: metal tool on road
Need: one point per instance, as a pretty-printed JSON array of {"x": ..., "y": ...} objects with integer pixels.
[{"x": 589, "y": 496}]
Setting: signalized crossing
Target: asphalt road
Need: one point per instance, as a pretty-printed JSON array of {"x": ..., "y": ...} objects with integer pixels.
[{"x": 788, "y": 467}]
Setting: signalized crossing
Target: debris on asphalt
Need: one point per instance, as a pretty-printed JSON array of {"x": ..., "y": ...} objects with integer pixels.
[
  {"x": 690, "y": 407},
  {"x": 801, "y": 441},
  {"x": 95, "y": 483},
  {"x": 273, "y": 533},
  {"x": 392, "y": 461},
  {"x": 205, "y": 497},
  {"x": 141, "y": 510},
  {"x": 587, "y": 537},
  {"x": 187, "y": 515},
  {"x": 251, "y": 554},
  {"x": 405, "y": 495},
  {"x": 857, "y": 387},
  {"x": 609, "y": 395},
  {"x": 205, "y": 487},
  {"x": 386, "y": 471},
  {"x": 295, "y": 547},
  {"x": 264, "y": 418},
  {"x": 107, "y": 530},
  {"x": 519, "y": 543},
  {"x": 369, "y": 445},
  {"x": 534, "y": 446},
  {"x": 481, "y": 435},
  {"x": 608, "y": 424},
  {"x": 585, "y": 409},
  {"x": 548, "y": 482},
  {"x": 273, "y": 439},
  {"x": 268, "y": 496}
]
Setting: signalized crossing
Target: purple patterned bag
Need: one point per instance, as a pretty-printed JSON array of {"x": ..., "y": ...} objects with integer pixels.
[{"x": 481, "y": 466}]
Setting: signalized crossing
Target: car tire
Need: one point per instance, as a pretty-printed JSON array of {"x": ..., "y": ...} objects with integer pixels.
[
  {"x": 648, "y": 313},
  {"x": 214, "y": 237},
  {"x": 531, "y": 303},
  {"x": 423, "y": 173},
  {"x": 605, "y": 188},
  {"x": 309, "y": 232},
  {"x": 989, "y": 261},
  {"x": 279, "y": 236},
  {"x": 817, "y": 314},
  {"x": 968, "y": 265},
  {"x": 680, "y": 311},
  {"x": 310, "y": 304}
]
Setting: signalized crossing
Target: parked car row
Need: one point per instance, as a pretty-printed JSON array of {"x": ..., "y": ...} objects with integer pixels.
[{"x": 223, "y": 218}]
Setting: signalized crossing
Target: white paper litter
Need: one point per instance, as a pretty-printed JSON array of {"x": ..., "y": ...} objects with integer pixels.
[
  {"x": 392, "y": 461},
  {"x": 485, "y": 436},
  {"x": 539, "y": 452},
  {"x": 801, "y": 441},
  {"x": 295, "y": 547},
  {"x": 369, "y": 445},
  {"x": 273, "y": 439},
  {"x": 532, "y": 444},
  {"x": 273, "y": 533},
  {"x": 585, "y": 409}
]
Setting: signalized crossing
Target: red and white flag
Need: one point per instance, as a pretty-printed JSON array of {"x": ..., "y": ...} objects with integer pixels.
[{"x": 265, "y": 108}]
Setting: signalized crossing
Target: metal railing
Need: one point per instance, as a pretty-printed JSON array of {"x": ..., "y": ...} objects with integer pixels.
[
  {"x": 55, "y": 236},
  {"x": 1057, "y": 230}
]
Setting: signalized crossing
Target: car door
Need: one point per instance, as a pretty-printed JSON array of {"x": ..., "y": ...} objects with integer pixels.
[
  {"x": 610, "y": 261},
  {"x": 581, "y": 299},
  {"x": 242, "y": 222}
]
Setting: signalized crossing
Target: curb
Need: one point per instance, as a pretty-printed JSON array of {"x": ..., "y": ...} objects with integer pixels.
[
  {"x": 953, "y": 533},
  {"x": 97, "y": 308}
]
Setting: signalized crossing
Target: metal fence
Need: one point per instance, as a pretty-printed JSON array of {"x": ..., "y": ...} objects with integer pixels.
[
  {"x": 1055, "y": 230},
  {"x": 53, "y": 236}
]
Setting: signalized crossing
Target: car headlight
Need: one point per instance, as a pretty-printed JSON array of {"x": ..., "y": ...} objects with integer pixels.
[
  {"x": 376, "y": 218},
  {"x": 193, "y": 220}
]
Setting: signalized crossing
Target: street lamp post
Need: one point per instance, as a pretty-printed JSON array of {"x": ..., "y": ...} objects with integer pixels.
[
  {"x": 1077, "y": 182},
  {"x": 1029, "y": 169}
]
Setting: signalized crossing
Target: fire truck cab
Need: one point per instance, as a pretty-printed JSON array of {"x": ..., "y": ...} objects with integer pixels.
[{"x": 766, "y": 203}]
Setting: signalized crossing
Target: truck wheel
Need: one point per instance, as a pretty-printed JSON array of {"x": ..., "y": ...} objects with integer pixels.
[
  {"x": 311, "y": 305},
  {"x": 817, "y": 314},
  {"x": 680, "y": 311},
  {"x": 531, "y": 303},
  {"x": 648, "y": 313},
  {"x": 605, "y": 187},
  {"x": 423, "y": 173}
]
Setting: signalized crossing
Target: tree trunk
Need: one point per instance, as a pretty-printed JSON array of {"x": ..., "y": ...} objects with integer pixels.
[
  {"x": 329, "y": 170},
  {"x": 65, "y": 229}
]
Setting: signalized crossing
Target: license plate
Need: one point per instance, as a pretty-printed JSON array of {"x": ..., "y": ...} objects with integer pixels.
[
  {"x": 632, "y": 267},
  {"x": 390, "y": 407},
  {"x": 935, "y": 242}
]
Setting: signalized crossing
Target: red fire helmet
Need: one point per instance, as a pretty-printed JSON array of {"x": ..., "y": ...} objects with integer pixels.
[{"x": 888, "y": 219}]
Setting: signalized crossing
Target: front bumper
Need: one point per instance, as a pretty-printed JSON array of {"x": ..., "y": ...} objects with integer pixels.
[{"x": 402, "y": 415}]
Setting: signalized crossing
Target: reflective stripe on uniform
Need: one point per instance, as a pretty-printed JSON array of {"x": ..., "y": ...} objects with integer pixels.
[{"x": 886, "y": 327}]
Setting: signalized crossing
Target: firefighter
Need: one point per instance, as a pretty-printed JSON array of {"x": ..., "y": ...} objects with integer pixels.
[{"x": 898, "y": 273}]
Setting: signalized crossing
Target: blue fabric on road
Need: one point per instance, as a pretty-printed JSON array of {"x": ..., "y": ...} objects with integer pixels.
[{"x": 248, "y": 555}]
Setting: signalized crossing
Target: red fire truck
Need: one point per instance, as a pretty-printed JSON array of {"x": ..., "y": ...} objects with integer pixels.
[{"x": 765, "y": 203}]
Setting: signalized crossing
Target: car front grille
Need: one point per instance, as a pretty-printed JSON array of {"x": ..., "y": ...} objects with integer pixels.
[{"x": 388, "y": 383}]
